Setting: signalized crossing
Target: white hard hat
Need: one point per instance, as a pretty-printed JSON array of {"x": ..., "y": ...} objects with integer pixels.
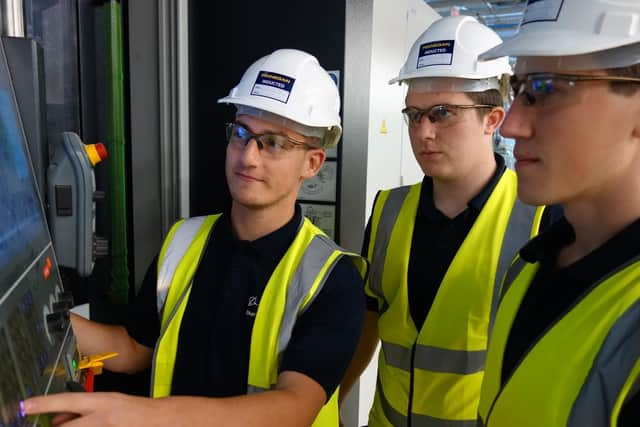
[
  {"x": 291, "y": 84},
  {"x": 609, "y": 29},
  {"x": 449, "y": 48}
]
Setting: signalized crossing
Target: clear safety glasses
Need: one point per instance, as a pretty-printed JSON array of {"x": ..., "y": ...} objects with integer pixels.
[
  {"x": 274, "y": 145},
  {"x": 442, "y": 115},
  {"x": 548, "y": 88}
]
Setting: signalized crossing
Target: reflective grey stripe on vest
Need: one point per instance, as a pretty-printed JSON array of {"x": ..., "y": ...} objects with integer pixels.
[
  {"x": 313, "y": 260},
  {"x": 180, "y": 242},
  {"x": 434, "y": 359},
  {"x": 517, "y": 234},
  {"x": 398, "y": 420},
  {"x": 610, "y": 371},
  {"x": 315, "y": 257},
  {"x": 388, "y": 218}
]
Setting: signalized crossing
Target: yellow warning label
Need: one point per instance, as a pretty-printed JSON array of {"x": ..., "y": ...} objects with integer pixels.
[{"x": 383, "y": 127}]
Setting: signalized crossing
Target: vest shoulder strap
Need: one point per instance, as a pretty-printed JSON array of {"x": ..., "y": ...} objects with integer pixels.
[
  {"x": 386, "y": 212},
  {"x": 174, "y": 249}
]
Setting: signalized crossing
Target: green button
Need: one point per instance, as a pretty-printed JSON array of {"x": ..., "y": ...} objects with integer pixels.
[{"x": 74, "y": 364}]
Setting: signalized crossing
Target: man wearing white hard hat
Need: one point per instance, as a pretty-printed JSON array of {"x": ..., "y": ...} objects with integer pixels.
[
  {"x": 438, "y": 249},
  {"x": 565, "y": 349},
  {"x": 248, "y": 317}
]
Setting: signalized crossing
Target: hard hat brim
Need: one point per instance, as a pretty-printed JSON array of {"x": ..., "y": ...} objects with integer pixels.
[
  {"x": 553, "y": 43},
  {"x": 275, "y": 108}
]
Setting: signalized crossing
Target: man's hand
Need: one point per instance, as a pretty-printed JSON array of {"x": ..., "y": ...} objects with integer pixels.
[
  {"x": 294, "y": 402},
  {"x": 96, "y": 409},
  {"x": 97, "y": 338}
]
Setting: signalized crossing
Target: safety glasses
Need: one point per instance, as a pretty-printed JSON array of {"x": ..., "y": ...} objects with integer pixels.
[
  {"x": 274, "y": 145},
  {"x": 443, "y": 115},
  {"x": 542, "y": 88}
]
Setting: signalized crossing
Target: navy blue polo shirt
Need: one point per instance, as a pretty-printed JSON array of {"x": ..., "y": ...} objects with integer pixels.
[
  {"x": 554, "y": 290},
  {"x": 215, "y": 335}
]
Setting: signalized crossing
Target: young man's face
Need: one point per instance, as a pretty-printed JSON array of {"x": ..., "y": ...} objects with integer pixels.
[
  {"x": 260, "y": 178},
  {"x": 577, "y": 142},
  {"x": 449, "y": 149}
]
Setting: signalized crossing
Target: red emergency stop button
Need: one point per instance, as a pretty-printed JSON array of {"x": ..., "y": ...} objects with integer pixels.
[{"x": 96, "y": 152}]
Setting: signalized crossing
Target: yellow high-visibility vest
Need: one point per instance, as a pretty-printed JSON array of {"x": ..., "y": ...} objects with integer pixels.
[
  {"x": 304, "y": 269},
  {"x": 432, "y": 376},
  {"x": 579, "y": 372}
]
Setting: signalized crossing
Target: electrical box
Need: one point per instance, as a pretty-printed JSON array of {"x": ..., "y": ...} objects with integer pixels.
[{"x": 72, "y": 201}]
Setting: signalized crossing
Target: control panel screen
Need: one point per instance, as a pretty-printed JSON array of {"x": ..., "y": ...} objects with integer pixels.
[
  {"x": 37, "y": 347},
  {"x": 23, "y": 233}
]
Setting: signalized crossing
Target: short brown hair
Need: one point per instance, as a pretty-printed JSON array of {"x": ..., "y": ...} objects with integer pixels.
[
  {"x": 625, "y": 88},
  {"x": 490, "y": 97}
]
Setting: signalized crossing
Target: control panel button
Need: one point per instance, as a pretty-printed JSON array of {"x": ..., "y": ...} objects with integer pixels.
[{"x": 58, "y": 322}]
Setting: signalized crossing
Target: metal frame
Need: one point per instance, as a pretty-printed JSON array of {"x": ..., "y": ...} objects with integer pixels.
[
  {"x": 13, "y": 18},
  {"x": 173, "y": 36},
  {"x": 159, "y": 99},
  {"x": 358, "y": 39}
]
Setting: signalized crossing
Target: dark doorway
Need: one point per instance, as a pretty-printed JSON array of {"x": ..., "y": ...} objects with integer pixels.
[{"x": 227, "y": 37}]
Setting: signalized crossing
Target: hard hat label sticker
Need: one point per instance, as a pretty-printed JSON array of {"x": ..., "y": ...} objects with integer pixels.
[
  {"x": 542, "y": 10},
  {"x": 273, "y": 85},
  {"x": 435, "y": 53}
]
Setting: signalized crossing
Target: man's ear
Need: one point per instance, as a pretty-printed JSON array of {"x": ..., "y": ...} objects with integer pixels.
[
  {"x": 635, "y": 133},
  {"x": 493, "y": 120},
  {"x": 314, "y": 160}
]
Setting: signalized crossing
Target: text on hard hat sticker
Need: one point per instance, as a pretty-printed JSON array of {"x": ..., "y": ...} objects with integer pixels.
[
  {"x": 542, "y": 10},
  {"x": 435, "y": 53},
  {"x": 273, "y": 85}
]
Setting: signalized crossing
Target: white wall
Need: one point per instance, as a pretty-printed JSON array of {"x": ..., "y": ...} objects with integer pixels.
[
  {"x": 396, "y": 25},
  {"x": 376, "y": 149}
]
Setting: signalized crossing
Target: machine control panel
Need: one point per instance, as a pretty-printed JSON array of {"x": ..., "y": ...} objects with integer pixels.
[
  {"x": 38, "y": 352},
  {"x": 37, "y": 346}
]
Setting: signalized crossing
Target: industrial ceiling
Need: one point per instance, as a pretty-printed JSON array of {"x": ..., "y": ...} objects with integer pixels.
[{"x": 501, "y": 15}]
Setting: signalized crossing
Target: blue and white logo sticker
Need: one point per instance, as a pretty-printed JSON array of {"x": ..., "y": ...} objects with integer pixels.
[
  {"x": 542, "y": 10},
  {"x": 435, "y": 53},
  {"x": 273, "y": 85}
]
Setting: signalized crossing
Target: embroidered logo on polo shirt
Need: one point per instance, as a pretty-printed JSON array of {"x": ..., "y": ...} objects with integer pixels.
[{"x": 251, "y": 310}]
